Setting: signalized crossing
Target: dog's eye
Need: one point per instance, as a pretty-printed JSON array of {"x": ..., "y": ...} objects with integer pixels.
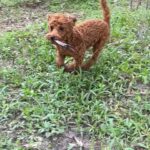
[{"x": 61, "y": 28}]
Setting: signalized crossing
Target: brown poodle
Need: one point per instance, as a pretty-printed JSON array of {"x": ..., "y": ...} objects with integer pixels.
[{"x": 73, "y": 40}]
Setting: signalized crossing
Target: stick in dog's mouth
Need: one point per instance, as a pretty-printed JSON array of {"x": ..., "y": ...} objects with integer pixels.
[{"x": 63, "y": 45}]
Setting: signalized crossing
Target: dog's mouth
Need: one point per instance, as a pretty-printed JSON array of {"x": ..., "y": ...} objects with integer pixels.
[
  {"x": 60, "y": 43},
  {"x": 53, "y": 40}
]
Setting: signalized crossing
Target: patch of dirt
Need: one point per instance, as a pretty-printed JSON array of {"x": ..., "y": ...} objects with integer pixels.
[
  {"x": 69, "y": 140},
  {"x": 143, "y": 30},
  {"x": 135, "y": 4},
  {"x": 5, "y": 64},
  {"x": 12, "y": 18},
  {"x": 73, "y": 140},
  {"x": 142, "y": 89}
]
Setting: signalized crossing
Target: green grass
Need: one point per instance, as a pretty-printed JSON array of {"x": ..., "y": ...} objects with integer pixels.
[{"x": 111, "y": 102}]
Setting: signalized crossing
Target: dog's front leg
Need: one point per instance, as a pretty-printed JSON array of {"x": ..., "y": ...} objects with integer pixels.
[{"x": 59, "y": 59}]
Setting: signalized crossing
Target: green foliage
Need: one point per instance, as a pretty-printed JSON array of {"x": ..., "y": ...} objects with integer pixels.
[
  {"x": 18, "y": 2},
  {"x": 110, "y": 102}
]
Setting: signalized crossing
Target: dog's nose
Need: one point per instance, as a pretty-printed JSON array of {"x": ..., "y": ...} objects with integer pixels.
[
  {"x": 53, "y": 38},
  {"x": 50, "y": 37}
]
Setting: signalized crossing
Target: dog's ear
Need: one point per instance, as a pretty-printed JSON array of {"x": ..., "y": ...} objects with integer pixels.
[
  {"x": 49, "y": 17},
  {"x": 73, "y": 19}
]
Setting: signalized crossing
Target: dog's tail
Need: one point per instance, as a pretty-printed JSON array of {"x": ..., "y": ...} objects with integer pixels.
[{"x": 106, "y": 11}]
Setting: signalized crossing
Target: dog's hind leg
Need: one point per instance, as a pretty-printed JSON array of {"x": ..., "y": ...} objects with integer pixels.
[
  {"x": 75, "y": 65},
  {"x": 96, "y": 50}
]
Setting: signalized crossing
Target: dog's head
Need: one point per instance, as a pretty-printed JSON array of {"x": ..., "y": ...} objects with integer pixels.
[{"x": 60, "y": 27}]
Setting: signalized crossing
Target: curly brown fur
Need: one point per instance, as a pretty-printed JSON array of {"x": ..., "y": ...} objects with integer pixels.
[{"x": 91, "y": 33}]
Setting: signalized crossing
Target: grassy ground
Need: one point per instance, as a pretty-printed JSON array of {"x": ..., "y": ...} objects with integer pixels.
[{"x": 106, "y": 108}]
